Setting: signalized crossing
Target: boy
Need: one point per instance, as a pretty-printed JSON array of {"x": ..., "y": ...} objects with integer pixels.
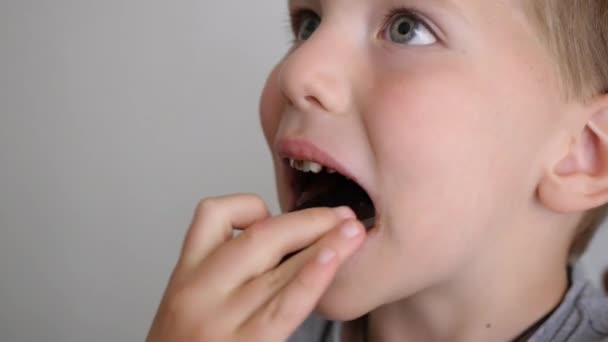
[{"x": 470, "y": 138}]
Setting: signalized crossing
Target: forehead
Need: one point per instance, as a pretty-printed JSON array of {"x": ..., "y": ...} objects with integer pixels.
[
  {"x": 472, "y": 11},
  {"x": 451, "y": 4}
]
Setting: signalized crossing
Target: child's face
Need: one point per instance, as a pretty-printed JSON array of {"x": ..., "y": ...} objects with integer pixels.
[{"x": 443, "y": 118}]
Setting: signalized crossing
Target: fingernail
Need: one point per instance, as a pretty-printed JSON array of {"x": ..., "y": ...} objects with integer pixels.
[
  {"x": 344, "y": 212},
  {"x": 350, "y": 230},
  {"x": 326, "y": 256}
]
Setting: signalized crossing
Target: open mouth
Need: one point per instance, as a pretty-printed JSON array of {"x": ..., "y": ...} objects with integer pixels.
[{"x": 315, "y": 185}]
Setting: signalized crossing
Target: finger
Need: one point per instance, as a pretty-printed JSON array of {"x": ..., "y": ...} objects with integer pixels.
[
  {"x": 286, "y": 312},
  {"x": 261, "y": 247},
  {"x": 259, "y": 292},
  {"x": 214, "y": 220}
]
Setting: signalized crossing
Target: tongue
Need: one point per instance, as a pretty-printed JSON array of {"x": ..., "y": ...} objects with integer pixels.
[{"x": 334, "y": 190}]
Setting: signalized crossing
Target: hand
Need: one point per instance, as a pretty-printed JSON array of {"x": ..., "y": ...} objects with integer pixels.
[{"x": 235, "y": 289}]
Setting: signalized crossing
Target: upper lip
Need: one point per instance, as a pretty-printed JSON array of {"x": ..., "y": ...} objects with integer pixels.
[{"x": 303, "y": 149}]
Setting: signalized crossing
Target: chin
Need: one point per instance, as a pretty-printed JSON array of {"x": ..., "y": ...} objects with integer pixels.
[
  {"x": 341, "y": 306},
  {"x": 334, "y": 312}
]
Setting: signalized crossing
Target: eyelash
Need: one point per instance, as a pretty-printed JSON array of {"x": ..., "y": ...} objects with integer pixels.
[
  {"x": 403, "y": 11},
  {"x": 296, "y": 15}
]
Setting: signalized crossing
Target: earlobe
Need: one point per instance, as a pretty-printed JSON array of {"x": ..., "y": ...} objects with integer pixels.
[{"x": 579, "y": 180}]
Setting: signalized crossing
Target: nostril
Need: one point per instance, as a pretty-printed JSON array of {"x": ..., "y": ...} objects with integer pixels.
[{"x": 314, "y": 101}]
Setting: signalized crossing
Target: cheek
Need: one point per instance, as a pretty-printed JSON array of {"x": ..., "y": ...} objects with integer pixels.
[
  {"x": 432, "y": 139},
  {"x": 429, "y": 128},
  {"x": 452, "y": 131},
  {"x": 444, "y": 161},
  {"x": 271, "y": 105}
]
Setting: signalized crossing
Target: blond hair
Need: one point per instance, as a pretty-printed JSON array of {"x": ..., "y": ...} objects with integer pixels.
[{"x": 576, "y": 34}]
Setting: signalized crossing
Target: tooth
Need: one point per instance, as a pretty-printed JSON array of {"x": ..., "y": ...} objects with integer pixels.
[
  {"x": 330, "y": 171},
  {"x": 307, "y": 166},
  {"x": 315, "y": 167}
]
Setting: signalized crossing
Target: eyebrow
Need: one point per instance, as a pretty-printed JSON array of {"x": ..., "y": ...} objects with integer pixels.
[
  {"x": 291, "y": 2},
  {"x": 448, "y": 5},
  {"x": 449, "y": 2}
]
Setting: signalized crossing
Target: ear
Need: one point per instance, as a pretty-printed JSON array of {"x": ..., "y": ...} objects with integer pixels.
[{"x": 578, "y": 181}]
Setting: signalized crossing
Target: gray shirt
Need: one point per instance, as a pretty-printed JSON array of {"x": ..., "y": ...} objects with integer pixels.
[{"x": 581, "y": 317}]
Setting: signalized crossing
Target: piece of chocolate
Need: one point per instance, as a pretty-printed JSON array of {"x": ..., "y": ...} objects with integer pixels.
[{"x": 337, "y": 191}]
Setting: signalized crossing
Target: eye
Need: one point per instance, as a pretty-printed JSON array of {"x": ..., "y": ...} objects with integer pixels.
[
  {"x": 408, "y": 28},
  {"x": 305, "y": 23}
]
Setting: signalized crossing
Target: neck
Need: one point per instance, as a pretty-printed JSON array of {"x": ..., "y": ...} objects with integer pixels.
[{"x": 494, "y": 299}]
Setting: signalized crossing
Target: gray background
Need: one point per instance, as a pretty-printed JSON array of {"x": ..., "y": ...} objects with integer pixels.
[{"x": 116, "y": 117}]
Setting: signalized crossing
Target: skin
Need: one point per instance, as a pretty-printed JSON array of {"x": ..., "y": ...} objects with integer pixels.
[
  {"x": 231, "y": 289},
  {"x": 457, "y": 138},
  {"x": 479, "y": 167}
]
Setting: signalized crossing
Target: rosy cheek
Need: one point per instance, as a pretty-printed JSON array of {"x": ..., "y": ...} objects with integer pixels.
[{"x": 271, "y": 105}]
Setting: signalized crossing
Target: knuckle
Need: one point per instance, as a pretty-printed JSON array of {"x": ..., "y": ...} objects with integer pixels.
[
  {"x": 207, "y": 205},
  {"x": 319, "y": 215},
  {"x": 179, "y": 301},
  {"x": 255, "y": 201},
  {"x": 207, "y": 332},
  {"x": 268, "y": 316},
  {"x": 253, "y": 237},
  {"x": 186, "y": 306},
  {"x": 250, "y": 196},
  {"x": 305, "y": 282},
  {"x": 258, "y": 330},
  {"x": 272, "y": 281},
  {"x": 283, "y": 309},
  {"x": 176, "y": 310},
  {"x": 279, "y": 312}
]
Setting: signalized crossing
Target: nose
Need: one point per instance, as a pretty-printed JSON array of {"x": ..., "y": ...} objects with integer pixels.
[{"x": 315, "y": 75}]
